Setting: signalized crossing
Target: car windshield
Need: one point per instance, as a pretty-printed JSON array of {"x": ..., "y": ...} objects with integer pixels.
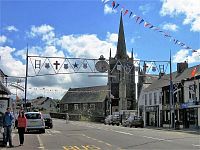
[{"x": 33, "y": 116}]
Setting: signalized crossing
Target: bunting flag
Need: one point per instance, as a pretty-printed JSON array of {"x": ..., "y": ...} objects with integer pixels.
[
  {"x": 137, "y": 18},
  {"x": 194, "y": 71},
  {"x": 116, "y": 6},
  {"x": 130, "y": 14},
  {"x": 125, "y": 12},
  {"x": 142, "y": 20},
  {"x": 113, "y": 4},
  {"x": 147, "y": 24}
]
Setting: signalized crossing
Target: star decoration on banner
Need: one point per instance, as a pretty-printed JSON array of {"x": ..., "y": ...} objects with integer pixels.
[{"x": 75, "y": 65}]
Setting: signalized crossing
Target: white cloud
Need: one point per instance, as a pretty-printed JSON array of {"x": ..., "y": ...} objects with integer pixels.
[
  {"x": 89, "y": 46},
  {"x": 44, "y": 31},
  {"x": 190, "y": 8},
  {"x": 133, "y": 39},
  {"x": 11, "y": 28},
  {"x": 145, "y": 8},
  {"x": 108, "y": 9},
  {"x": 112, "y": 37},
  {"x": 184, "y": 55},
  {"x": 3, "y": 39},
  {"x": 170, "y": 27}
]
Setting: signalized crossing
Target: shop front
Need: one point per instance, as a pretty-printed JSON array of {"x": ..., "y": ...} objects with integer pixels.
[
  {"x": 190, "y": 114},
  {"x": 152, "y": 116}
]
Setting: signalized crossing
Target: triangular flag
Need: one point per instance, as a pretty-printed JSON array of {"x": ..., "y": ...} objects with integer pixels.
[
  {"x": 113, "y": 4},
  {"x": 137, "y": 18},
  {"x": 116, "y": 6},
  {"x": 146, "y": 24},
  {"x": 141, "y": 21},
  {"x": 130, "y": 14},
  {"x": 133, "y": 16},
  {"x": 125, "y": 12},
  {"x": 194, "y": 71}
]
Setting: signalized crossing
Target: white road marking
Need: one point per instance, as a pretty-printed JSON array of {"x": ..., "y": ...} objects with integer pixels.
[
  {"x": 40, "y": 142},
  {"x": 154, "y": 138},
  {"x": 195, "y": 145},
  {"x": 122, "y": 132}
]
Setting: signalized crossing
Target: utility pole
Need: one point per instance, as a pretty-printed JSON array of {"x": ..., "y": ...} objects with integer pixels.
[
  {"x": 171, "y": 95},
  {"x": 26, "y": 78}
]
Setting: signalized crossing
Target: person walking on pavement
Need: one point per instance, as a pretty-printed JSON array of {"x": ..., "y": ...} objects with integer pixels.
[
  {"x": 22, "y": 124},
  {"x": 7, "y": 124}
]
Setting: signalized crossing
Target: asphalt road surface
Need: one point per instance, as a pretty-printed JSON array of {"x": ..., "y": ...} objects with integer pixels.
[{"x": 76, "y": 135}]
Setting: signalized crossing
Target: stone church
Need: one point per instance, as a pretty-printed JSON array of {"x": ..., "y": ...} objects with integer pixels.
[{"x": 121, "y": 86}]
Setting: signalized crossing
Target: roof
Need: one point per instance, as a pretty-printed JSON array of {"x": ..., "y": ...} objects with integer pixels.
[
  {"x": 121, "y": 45},
  {"x": 85, "y": 95},
  {"x": 4, "y": 90},
  {"x": 176, "y": 78}
]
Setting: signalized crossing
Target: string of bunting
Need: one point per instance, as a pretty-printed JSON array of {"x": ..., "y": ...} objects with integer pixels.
[{"x": 140, "y": 20}]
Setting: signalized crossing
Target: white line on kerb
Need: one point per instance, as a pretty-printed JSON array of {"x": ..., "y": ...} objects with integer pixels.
[{"x": 40, "y": 142}]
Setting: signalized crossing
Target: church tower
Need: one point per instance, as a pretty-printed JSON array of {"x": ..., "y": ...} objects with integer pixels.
[{"x": 123, "y": 84}]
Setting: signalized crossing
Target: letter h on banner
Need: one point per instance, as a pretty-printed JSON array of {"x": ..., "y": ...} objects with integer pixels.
[{"x": 37, "y": 64}]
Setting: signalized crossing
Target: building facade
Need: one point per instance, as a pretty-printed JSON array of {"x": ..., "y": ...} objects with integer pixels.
[{"x": 185, "y": 104}]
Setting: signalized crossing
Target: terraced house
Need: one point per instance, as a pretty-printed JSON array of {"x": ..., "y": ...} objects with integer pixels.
[{"x": 185, "y": 106}]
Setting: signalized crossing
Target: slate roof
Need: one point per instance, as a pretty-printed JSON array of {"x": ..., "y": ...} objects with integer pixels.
[
  {"x": 176, "y": 78},
  {"x": 4, "y": 90},
  {"x": 85, "y": 95}
]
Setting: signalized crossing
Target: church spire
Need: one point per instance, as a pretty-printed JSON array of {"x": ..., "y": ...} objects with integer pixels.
[{"x": 121, "y": 45}]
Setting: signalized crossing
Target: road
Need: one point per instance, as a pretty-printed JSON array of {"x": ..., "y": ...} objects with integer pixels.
[{"x": 93, "y": 136}]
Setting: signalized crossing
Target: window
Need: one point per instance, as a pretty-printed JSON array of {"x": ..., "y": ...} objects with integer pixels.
[
  {"x": 75, "y": 106},
  {"x": 84, "y": 106},
  {"x": 65, "y": 106},
  {"x": 33, "y": 116},
  {"x": 150, "y": 98},
  {"x": 155, "y": 98},
  {"x": 160, "y": 98},
  {"x": 92, "y": 106},
  {"x": 145, "y": 97}
]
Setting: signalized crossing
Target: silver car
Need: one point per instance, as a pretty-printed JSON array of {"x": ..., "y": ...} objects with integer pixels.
[{"x": 35, "y": 121}]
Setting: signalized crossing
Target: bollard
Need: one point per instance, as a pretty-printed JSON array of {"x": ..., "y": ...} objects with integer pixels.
[{"x": 67, "y": 118}]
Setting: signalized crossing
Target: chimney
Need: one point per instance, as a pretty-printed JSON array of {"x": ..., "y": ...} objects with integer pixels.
[{"x": 181, "y": 67}]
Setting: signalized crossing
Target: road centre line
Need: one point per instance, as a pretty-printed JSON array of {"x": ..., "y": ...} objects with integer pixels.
[{"x": 195, "y": 145}]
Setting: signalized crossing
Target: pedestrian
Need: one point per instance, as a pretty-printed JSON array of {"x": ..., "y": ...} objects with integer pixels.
[
  {"x": 7, "y": 124},
  {"x": 22, "y": 124}
]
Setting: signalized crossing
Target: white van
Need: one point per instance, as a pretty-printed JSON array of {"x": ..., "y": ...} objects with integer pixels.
[{"x": 35, "y": 121}]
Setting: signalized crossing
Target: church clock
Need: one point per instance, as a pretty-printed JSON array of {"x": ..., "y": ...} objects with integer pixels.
[{"x": 101, "y": 66}]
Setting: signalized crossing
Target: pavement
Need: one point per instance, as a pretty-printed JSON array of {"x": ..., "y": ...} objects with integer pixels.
[{"x": 185, "y": 130}]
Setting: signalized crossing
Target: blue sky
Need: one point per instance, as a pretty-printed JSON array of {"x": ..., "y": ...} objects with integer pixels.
[{"x": 88, "y": 28}]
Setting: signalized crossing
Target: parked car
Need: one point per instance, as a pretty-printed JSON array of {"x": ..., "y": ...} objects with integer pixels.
[
  {"x": 48, "y": 121},
  {"x": 35, "y": 121},
  {"x": 128, "y": 121},
  {"x": 116, "y": 118},
  {"x": 108, "y": 119},
  {"x": 137, "y": 122}
]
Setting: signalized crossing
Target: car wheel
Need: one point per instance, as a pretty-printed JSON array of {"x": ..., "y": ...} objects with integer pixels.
[{"x": 42, "y": 131}]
